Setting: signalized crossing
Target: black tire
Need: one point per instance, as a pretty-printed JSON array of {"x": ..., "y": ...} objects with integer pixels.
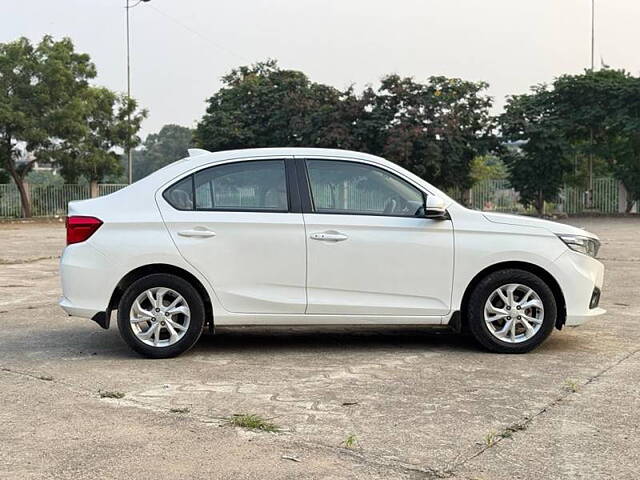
[
  {"x": 480, "y": 295},
  {"x": 182, "y": 287}
]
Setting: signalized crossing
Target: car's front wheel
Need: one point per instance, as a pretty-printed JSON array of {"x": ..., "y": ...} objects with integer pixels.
[
  {"x": 511, "y": 311},
  {"x": 161, "y": 315}
]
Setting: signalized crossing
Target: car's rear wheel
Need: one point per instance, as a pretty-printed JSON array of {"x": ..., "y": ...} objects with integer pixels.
[
  {"x": 161, "y": 315},
  {"x": 511, "y": 311}
]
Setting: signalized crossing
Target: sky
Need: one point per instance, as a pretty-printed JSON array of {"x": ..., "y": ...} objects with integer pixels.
[{"x": 181, "y": 48}]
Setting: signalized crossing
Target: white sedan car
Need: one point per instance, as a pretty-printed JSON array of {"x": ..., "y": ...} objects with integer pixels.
[{"x": 298, "y": 236}]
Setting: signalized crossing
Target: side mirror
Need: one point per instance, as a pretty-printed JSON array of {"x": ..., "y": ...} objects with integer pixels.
[{"x": 435, "y": 208}]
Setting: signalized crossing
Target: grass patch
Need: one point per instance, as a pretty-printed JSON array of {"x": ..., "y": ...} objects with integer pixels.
[
  {"x": 571, "y": 386},
  {"x": 179, "y": 410},
  {"x": 110, "y": 394},
  {"x": 491, "y": 439},
  {"x": 351, "y": 441},
  {"x": 253, "y": 422}
]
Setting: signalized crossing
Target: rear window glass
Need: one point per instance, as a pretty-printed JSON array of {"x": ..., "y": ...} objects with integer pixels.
[
  {"x": 252, "y": 185},
  {"x": 180, "y": 195}
]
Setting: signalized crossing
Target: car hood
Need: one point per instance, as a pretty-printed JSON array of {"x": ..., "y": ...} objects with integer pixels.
[{"x": 553, "y": 227}]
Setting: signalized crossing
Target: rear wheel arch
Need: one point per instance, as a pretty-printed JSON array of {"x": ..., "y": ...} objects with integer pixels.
[
  {"x": 145, "y": 270},
  {"x": 529, "y": 267}
]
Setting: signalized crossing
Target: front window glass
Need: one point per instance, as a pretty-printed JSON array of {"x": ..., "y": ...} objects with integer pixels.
[
  {"x": 360, "y": 189},
  {"x": 251, "y": 185}
]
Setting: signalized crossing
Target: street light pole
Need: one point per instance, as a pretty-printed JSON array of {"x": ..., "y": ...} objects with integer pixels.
[
  {"x": 129, "y": 153},
  {"x": 593, "y": 67},
  {"x": 593, "y": 33},
  {"x": 129, "y": 157}
]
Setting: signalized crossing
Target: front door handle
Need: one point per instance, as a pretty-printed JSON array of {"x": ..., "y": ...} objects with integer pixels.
[
  {"x": 329, "y": 236},
  {"x": 197, "y": 232}
]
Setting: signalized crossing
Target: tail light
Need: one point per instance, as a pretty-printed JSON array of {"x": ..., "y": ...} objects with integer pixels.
[{"x": 80, "y": 229}]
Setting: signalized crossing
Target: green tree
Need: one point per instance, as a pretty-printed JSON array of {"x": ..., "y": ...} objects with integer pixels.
[
  {"x": 600, "y": 113},
  {"x": 538, "y": 157},
  {"x": 626, "y": 167},
  {"x": 266, "y": 106},
  {"x": 160, "y": 149},
  {"x": 91, "y": 152},
  {"x": 41, "y": 90},
  {"x": 487, "y": 167},
  {"x": 434, "y": 129}
]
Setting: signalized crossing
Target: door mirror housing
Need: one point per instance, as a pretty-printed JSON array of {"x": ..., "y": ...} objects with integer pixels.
[{"x": 435, "y": 208}]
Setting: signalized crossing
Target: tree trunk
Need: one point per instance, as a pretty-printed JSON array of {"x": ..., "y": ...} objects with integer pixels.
[
  {"x": 540, "y": 204},
  {"x": 19, "y": 181},
  {"x": 627, "y": 197},
  {"x": 466, "y": 198},
  {"x": 93, "y": 189},
  {"x": 24, "y": 196}
]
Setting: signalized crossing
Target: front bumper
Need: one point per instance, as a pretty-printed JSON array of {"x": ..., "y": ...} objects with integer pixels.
[
  {"x": 579, "y": 275},
  {"x": 577, "y": 320}
]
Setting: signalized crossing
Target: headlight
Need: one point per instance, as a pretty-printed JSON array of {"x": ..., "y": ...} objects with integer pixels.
[{"x": 587, "y": 245}]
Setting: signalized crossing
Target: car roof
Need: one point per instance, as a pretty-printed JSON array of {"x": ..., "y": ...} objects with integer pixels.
[
  {"x": 200, "y": 158},
  {"x": 284, "y": 151}
]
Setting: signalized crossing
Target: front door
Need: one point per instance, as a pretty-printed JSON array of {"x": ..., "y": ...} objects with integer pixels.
[
  {"x": 368, "y": 250},
  {"x": 233, "y": 222}
]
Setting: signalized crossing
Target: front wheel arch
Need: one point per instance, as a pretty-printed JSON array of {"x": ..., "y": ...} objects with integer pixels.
[
  {"x": 149, "y": 269},
  {"x": 529, "y": 267}
]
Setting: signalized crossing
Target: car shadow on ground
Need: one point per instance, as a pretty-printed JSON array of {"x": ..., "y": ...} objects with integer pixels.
[
  {"x": 329, "y": 340},
  {"x": 70, "y": 342}
]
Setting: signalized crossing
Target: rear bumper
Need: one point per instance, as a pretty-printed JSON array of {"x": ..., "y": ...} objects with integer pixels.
[
  {"x": 85, "y": 274},
  {"x": 76, "y": 311},
  {"x": 101, "y": 318}
]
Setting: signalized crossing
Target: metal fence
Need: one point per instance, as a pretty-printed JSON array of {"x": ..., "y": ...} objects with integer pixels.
[
  {"x": 107, "y": 188},
  {"x": 489, "y": 195},
  {"x": 47, "y": 200},
  {"x": 51, "y": 200},
  {"x": 9, "y": 201},
  {"x": 499, "y": 196},
  {"x": 606, "y": 197}
]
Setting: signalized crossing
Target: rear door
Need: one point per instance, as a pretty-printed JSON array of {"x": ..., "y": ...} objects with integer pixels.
[
  {"x": 368, "y": 250},
  {"x": 239, "y": 224}
]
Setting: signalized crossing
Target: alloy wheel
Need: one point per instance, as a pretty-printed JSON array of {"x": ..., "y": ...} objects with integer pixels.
[
  {"x": 514, "y": 313},
  {"x": 159, "y": 317}
]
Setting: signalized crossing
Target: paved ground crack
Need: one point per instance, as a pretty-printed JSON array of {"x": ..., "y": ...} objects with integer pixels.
[
  {"x": 7, "y": 307},
  {"x": 526, "y": 421},
  {"x": 126, "y": 401},
  {"x": 369, "y": 459},
  {"x": 5, "y": 261},
  {"x": 376, "y": 461}
]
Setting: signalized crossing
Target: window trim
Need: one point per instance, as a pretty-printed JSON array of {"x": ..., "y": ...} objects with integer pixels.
[
  {"x": 310, "y": 207},
  {"x": 293, "y": 196}
]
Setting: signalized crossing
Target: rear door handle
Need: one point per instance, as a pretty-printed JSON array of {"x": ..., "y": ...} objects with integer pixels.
[
  {"x": 197, "y": 232},
  {"x": 330, "y": 236}
]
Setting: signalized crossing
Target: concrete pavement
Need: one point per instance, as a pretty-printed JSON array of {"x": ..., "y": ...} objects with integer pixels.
[{"x": 420, "y": 405}]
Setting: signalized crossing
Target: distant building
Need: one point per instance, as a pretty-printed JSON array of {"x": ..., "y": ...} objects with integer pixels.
[{"x": 37, "y": 166}]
